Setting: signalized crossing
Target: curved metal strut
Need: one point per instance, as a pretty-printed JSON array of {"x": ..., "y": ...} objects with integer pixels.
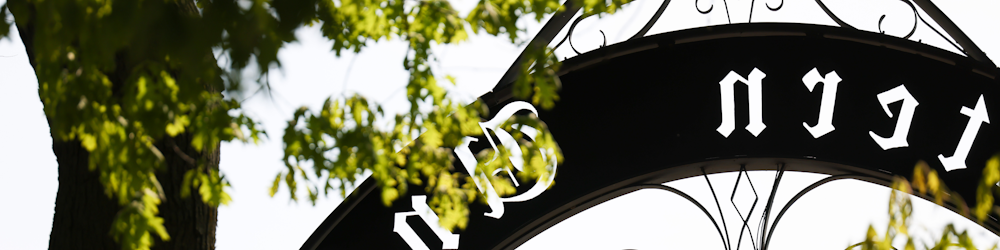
[
  {"x": 799, "y": 195},
  {"x": 690, "y": 199}
]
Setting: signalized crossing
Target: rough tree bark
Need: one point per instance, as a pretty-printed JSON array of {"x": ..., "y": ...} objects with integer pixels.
[
  {"x": 189, "y": 221},
  {"x": 83, "y": 212}
]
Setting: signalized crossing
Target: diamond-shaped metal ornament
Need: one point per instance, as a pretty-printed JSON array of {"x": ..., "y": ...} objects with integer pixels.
[{"x": 744, "y": 219}]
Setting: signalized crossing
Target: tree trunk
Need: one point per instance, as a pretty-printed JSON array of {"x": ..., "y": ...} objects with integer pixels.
[
  {"x": 189, "y": 221},
  {"x": 84, "y": 213}
]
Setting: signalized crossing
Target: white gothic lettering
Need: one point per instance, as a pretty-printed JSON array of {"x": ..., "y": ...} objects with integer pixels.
[
  {"x": 468, "y": 159},
  {"x": 448, "y": 239},
  {"x": 754, "y": 90},
  {"x": 898, "y": 138},
  {"x": 825, "y": 123},
  {"x": 977, "y": 117}
]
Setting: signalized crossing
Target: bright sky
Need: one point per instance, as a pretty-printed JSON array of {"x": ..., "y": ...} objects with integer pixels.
[{"x": 311, "y": 73}]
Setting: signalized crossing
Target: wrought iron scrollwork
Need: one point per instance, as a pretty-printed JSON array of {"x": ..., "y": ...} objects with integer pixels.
[
  {"x": 659, "y": 12},
  {"x": 799, "y": 195},
  {"x": 693, "y": 201},
  {"x": 913, "y": 4},
  {"x": 726, "y": 4},
  {"x": 833, "y": 16},
  {"x": 569, "y": 35},
  {"x": 711, "y": 7},
  {"x": 762, "y": 225},
  {"x": 941, "y": 35},
  {"x": 732, "y": 199},
  {"x": 652, "y": 20},
  {"x": 764, "y": 230},
  {"x": 775, "y": 8},
  {"x": 766, "y": 5},
  {"x": 726, "y": 240},
  {"x": 767, "y": 207},
  {"x": 916, "y": 16}
]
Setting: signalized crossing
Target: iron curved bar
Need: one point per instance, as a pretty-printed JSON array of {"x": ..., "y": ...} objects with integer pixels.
[
  {"x": 832, "y": 16},
  {"x": 942, "y": 35},
  {"x": 728, "y": 18},
  {"x": 770, "y": 202},
  {"x": 605, "y": 43},
  {"x": 775, "y": 8},
  {"x": 746, "y": 221},
  {"x": 970, "y": 48},
  {"x": 716, "y": 199},
  {"x": 766, "y": 5},
  {"x": 689, "y": 198},
  {"x": 710, "y": 8},
  {"x": 656, "y": 16},
  {"x": 569, "y": 34},
  {"x": 915, "y": 18},
  {"x": 799, "y": 195},
  {"x": 705, "y": 11}
]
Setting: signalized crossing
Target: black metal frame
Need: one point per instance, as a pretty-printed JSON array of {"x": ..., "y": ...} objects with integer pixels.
[
  {"x": 766, "y": 231},
  {"x": 974, "y": 60},
  {"x": 654, "y": 180}
]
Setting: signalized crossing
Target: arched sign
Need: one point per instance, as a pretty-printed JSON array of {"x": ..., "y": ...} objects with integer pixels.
[{"x": 719, "y": 99}]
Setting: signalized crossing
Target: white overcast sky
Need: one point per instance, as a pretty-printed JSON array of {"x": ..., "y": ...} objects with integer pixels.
[{"x": 311, "y": 73}]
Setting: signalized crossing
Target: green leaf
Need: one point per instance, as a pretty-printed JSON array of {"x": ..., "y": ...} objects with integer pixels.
[
  {"x": 389, "y": 195},
  {"x": 274, "y": 186},
  {"x": 451, "y": 79},
  {"x": 88, "y": 142},
  {"x": 187, "y": 183}
]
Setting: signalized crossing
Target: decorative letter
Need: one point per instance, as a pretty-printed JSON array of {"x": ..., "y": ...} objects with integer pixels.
[
  {"x": 898, "y": 138},
  {"x": 448, "y": 239},
  {"x": 825, "y": 123},
  {"x": 469, "y": 161},
  {"x": 728, "y": 102},
  {"x": 977, "y": 117},
  {"x": 507, "y": 141}
]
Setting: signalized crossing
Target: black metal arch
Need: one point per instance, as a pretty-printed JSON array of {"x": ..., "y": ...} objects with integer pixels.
[
  {"x": 640, "y": 67},
  {"x": 653, "y": 181}
]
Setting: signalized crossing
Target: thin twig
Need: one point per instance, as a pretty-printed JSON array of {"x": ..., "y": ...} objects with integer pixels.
[
  {"x": 347, "y": 75},
  {"x": 180, "y": 153}
]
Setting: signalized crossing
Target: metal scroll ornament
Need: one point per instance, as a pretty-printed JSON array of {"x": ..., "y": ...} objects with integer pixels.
[
  {"x": 726, "y": 5},
  {"x": 842, "y": 23},
  {"x": 775, "y": 7}
]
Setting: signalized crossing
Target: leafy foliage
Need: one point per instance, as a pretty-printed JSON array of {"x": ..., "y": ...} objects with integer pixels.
[
  {"x": 120, "y": 77},
  {"x": 926, "y": 182},
  {"x": 349, "y": 129}
]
